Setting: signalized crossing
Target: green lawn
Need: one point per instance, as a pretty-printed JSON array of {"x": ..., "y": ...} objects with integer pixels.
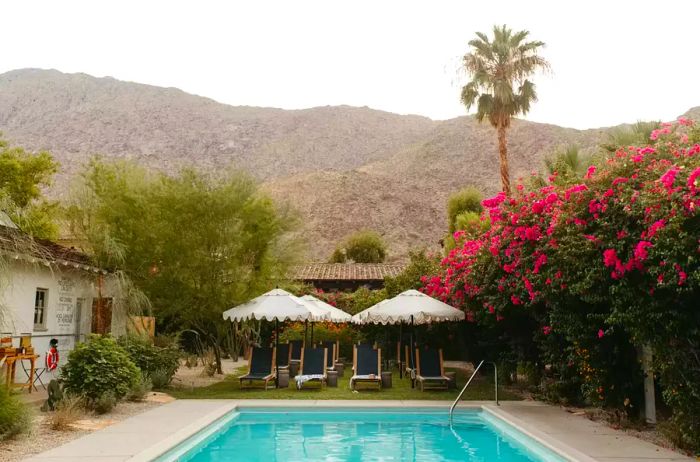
[{"x": 480, "y": 389}]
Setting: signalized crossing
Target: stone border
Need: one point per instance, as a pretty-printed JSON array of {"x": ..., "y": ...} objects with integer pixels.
[
  {"x": 148, "y": 436},
  {"x": 542, "y": 438},
  {"x": 162, "y": 447}
]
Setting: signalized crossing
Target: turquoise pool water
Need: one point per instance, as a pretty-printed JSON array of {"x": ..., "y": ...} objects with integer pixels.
[{"x": 354, "y": 435}]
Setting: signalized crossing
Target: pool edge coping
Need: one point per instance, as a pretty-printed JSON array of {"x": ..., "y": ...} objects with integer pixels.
[
  {"x": 163, "y": 446},
  {"x": 553, "y": 444}
]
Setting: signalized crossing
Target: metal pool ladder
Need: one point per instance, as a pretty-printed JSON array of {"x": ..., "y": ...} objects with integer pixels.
[{"x": 495, "y": 381}]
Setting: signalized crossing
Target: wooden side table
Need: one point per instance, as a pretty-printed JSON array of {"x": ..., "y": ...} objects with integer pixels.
[
  {"x": 283, "y": 378},
  {"x": 332, "y": 378},
  {"x": 11, "y": 363},
  {"x": 386, "y": 379}
]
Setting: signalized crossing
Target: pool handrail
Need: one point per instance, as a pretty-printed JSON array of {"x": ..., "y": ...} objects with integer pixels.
[{"x": 495, "y": 377}]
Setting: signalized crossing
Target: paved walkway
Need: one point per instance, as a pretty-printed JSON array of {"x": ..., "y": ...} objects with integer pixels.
[
  {"x": 145, "y": 436},
  {"x": 595, "y": 440}
]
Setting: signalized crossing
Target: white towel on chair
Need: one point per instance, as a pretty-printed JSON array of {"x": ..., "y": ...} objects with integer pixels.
[
  {"x": 305, "y": 378},
  {"x": 363, "y": 377}
]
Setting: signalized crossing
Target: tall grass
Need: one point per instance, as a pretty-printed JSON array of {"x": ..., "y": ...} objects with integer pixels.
[{"x": 15, "y": 417}]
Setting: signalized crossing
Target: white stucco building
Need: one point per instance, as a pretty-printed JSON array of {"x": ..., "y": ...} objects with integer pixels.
[{"x": 50, "y": 291}]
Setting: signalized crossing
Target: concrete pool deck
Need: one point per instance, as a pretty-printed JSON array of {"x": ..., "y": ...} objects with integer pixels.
[{"x": 143, "y": 437}]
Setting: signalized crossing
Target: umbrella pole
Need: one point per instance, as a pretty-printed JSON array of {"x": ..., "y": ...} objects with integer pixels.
[
  {"x": 277, "y": 344},
  {"x": 400, "y": 352},
  {"x": 413, "y": 352},
  {"x": 306, "y": 328}
]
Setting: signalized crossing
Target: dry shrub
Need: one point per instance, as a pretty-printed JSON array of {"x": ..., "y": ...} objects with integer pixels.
[{"x": 68, "y": 410}]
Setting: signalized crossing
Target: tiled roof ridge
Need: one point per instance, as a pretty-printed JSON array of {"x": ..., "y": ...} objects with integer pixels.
[{"x": 345, "y": 271}]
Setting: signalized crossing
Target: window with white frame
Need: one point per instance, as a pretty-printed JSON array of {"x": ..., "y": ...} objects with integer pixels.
[{"x": 40, "y": 304}]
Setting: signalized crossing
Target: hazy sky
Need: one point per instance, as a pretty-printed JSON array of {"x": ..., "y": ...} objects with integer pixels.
[{"x": 613, "y": 61}]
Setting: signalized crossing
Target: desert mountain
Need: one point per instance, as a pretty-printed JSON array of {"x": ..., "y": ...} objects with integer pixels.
[{"x": 344, "y": 168}]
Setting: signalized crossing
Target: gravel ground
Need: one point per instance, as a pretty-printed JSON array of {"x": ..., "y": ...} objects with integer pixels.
[
  {"x": 42, "y": 438},
  {"x": 195, "y": 377}
]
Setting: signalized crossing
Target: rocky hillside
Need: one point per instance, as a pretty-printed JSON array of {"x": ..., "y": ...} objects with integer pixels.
[{"x": 343, "y": 168}]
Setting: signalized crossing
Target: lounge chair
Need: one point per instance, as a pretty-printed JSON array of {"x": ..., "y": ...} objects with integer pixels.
[
  {"x": 409, "y": 362},
  {"x": 312, "y": 367},
  {"x": 430, "y": 370},
  {"x": 283, "y": 355},
  {"x": 332, "y": 348},
  {"x": 367, "y": 364},
  {"x": 261, "y": 367},
  {"x": 295, "y": 347}
]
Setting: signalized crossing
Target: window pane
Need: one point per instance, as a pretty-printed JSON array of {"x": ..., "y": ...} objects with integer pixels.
[{"x": 39, "y": 306}]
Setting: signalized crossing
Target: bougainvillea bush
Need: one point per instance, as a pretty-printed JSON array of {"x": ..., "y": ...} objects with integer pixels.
[{"x": 601, "y": 268}]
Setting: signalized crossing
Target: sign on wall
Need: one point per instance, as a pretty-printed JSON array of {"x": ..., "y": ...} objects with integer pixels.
[{"x": 65, "y": 308}]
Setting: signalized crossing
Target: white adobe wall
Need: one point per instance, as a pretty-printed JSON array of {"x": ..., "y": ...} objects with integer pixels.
[{"x": 62, "y": 321}]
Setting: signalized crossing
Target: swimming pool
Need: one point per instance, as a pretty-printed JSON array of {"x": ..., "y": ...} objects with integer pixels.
[{"x": 359, "y": 434}]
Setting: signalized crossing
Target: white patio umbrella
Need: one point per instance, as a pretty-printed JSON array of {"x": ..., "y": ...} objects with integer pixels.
[
  {"x": 410, "y": 307},
  {"x": 277, "y": 305},
  {"x": 334, "y": 314}
]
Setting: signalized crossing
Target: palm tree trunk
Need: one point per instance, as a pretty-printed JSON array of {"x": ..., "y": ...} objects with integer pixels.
[{"x": 503, "y": 154}]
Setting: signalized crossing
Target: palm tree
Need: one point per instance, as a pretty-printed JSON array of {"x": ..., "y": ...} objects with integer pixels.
[
  {"x": 499, "y": 85},
  {"x": 636, "y": 134},
  {"x": 568, "y": 160}
]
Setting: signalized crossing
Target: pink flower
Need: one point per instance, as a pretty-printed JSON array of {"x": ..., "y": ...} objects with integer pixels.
[
  {"x": 655, "y": 228},
  {"x": 640, "y": 250},
  {"x": 515, "y": 300},
  {"x": 540, "y": 261},
  {"x": 494, "y": 201},
  {"x": 575, "y": 189},
  {"x": 685, "y": 121},
  {"x": 594, "y": 207},
  {"x": 546, "y": 330},
  {"x": 619, "y": 180},
  {"x": 692, "y": 180},
  {"x": 537, "y": 207},
  {"x": 610, "y": 257},
  {"x": 600, "y": 333},
  {"x": 591, "y": 170},
  {"x": 669, "y": 177}
]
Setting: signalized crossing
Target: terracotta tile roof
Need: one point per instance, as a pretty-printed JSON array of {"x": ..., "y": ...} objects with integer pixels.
[{"x": 344, "y": 271}]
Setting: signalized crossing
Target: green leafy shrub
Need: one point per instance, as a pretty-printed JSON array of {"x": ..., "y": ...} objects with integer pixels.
[
  {"x": 104, "y": 404},
  {"x": 14, "y": 415},
  {"x": 362, "y": 247},
  {"x": 140, "y": 389},
  {"x": 152, "y": 359},
  {"x": 99, "y": 366},
  {"x": 463, "y": 201},
  {"x": 161, "y": 378}
]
